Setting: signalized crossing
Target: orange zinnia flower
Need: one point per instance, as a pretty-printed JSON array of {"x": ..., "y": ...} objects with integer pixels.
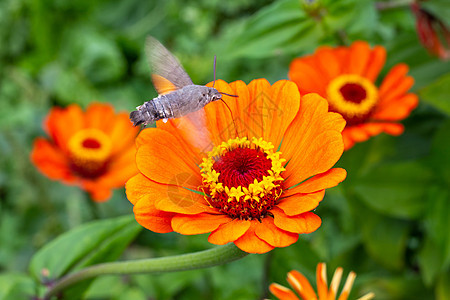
[
  {"x": 266, "y": 168},
  {"x": 345, "y": 76},
  {"x": 93, "y": 149},
  {"x": 301, "y": 285}
]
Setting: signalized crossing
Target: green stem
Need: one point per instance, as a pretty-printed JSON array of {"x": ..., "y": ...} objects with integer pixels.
[
  {"x": 203, "y": 259},
  {"x": 92, "y": 206}
]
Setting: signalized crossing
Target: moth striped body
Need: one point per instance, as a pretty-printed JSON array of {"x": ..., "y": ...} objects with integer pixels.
[{"x": 175, "y": 104}]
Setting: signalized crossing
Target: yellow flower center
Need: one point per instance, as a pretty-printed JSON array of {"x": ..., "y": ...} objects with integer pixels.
[
  {"x": 353, "y": 96},
  {"x": 242, "y": 178},
  {"x": 90, "y": 150}
]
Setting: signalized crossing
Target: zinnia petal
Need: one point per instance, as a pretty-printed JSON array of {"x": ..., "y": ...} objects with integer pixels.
[
  {"x": 164, "y": 160},
  {"x": 151, "y": 218},
  {"x": 251, "y": 243},
  {"x": 273, "y": 235},
  {"x": 229, "y": 232},
  {"x": 303, "y": 223},
  {"x": 299, "y": 203},
  {"x": 320, "y": 144},
  {"x": 198, "y": 224}
]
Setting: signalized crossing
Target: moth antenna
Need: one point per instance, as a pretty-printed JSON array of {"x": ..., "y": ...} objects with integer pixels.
[
  {"x": 228, "y": 94},
  {"x": 232, "y": 117},
  {"x": 215, "y": 62}
]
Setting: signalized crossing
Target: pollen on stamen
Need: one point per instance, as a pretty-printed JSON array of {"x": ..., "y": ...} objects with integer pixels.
[{"x": 242, "y": 178}]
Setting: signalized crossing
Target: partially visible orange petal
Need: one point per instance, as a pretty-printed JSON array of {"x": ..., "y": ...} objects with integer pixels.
[
  {"x": 151, "y": 218},
  {"x": 395, "y": 75},
  {"x": 303, "y": 223},
  {"x": 282, "y": 292},
  {"x": 318, "y": 156},
  {"x": 98, "y": 193},
  {"x": 180, "y": 200},
  {"x": 161, "y": 158},
  {"x": 376, "y": 62},
  {"x": 311, "y": 144},
  {"x": 260, "y": 93},
  {"x": 301, "y": 285},
  {"x": 274, "y": 236},
  {"x": 198, "y": 224},
  {"x": 397, "y": 109},
  {"x": 329, "y": 64},
  {"x": 240, "y": 107},
  {"x": 191, "y": 132},
  {"x": 140, "y": 186},
  {"x": 219, "y": 120},
  {"x": 306, "y": 75},
  {"x": 123, "y": 134},
  {"x": 229, "y": 232},
  {"x": 251, "y": 243},
  {"x": 279, "y": 111},
  {"x": 57, "y": 122},
  {"x": 166, "y": 198},
  {"x": 319, "y": 182},
  {"x": 348, "y": 142},
  {"x": 100, "y": 116},
  {"x": 357, "y": 133},
  {"x": 401, "y": 88},
  {"x": 51, "y": 161},
  {"x": 358, "y": 57},
  {"x": 362, "y": 132},
  {"x": 122, "y": 168},
  {"x": 299, "y": 203},
  {"x": 321, "y": 280}
]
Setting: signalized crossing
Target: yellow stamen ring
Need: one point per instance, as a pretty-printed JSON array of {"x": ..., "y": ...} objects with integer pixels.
[
  {"x": 89, "y": 149},
  {"x": 352, "y": 95}
]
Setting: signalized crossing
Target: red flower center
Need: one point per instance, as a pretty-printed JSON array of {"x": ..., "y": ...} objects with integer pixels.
[
  {"x": 90, "y": 150},
  {"x": 242, "y": 166},
  {"x": 91, "y": 143},
  {"x": 242, "y": 178},
  {"x": 353, "y": 92}
]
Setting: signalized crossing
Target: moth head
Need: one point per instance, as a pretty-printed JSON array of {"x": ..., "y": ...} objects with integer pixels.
[{"x": 209, "y": 94}]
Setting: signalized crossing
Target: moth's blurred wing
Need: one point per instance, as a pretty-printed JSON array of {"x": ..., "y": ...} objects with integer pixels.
[
  {"x": 167, "y": 73},
  {"x": 194, "y": 127},
  {"x": 191, "y": 130}
]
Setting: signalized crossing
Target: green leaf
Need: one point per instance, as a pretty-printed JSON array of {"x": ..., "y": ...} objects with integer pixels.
[
  {"x": 272, "y": 29},
  {"x": 440, "y": 153},
  {"x": 358, "y": 19},
  {"x": 443, "y": 287},
  {"x": 89, "y": 244},
  {"x": 16, "y": 286},
  {"x": 434, "y": 257},
  {"x": 94, "y": 54},
  {"x": 436, "y": 94},
  {"x": 395, "y": 189},
  {"x": 385, "y": 239}
]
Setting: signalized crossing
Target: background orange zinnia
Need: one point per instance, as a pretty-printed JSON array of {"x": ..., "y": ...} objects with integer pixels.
[
  {"x": 255, "y": 185},
  {"x": 346, "y": 76},
  {"x": 93, "y": 149},
  {"x": 304, "y": 289}
]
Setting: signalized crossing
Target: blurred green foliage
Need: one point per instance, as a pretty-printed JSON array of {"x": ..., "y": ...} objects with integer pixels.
[{"x": 389, "y": 221}]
